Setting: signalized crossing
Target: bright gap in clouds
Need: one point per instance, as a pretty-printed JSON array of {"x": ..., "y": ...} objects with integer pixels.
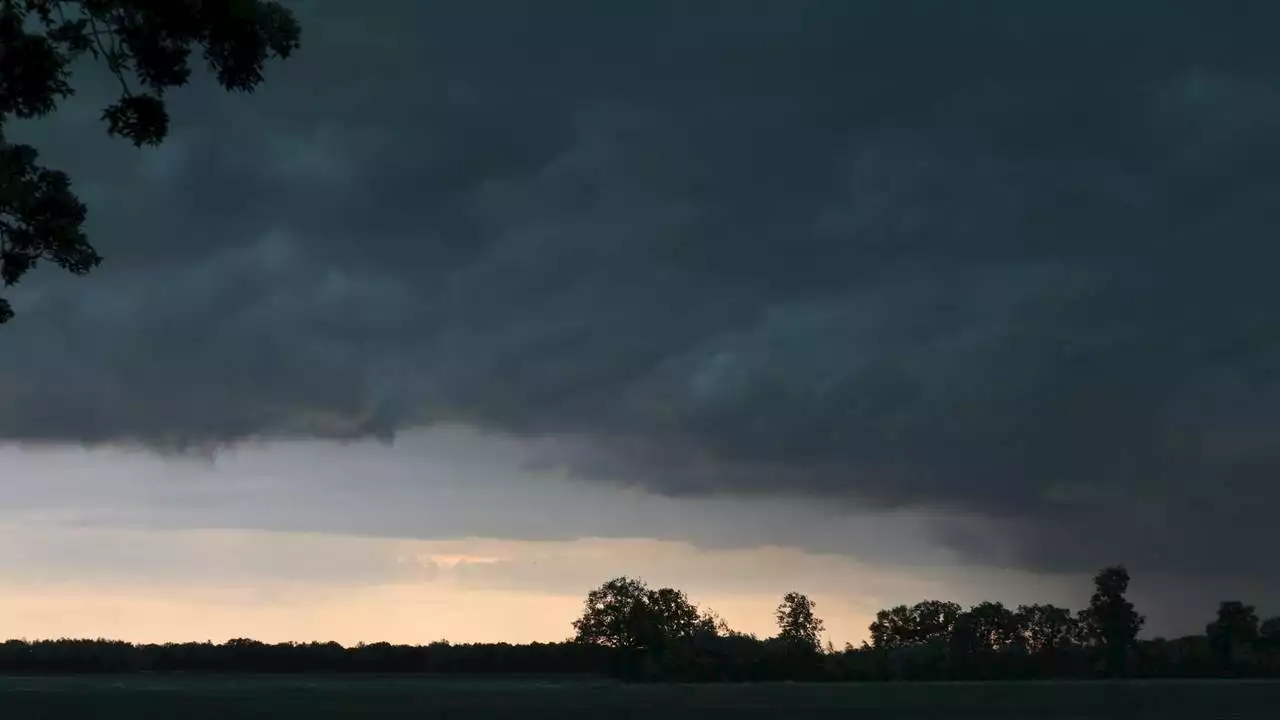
[
  {"x": 447, "y": 535},
  {"x": 165, "y": 585}
]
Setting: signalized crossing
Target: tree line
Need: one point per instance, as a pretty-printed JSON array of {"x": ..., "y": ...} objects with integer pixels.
[{"x": 631, "y": 631}]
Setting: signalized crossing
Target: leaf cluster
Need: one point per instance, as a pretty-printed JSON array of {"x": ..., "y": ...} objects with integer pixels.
[{"x": 148, "y": 46}]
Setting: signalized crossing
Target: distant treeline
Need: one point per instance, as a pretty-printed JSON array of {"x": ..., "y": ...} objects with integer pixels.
[{"x": 631, "y": 631}]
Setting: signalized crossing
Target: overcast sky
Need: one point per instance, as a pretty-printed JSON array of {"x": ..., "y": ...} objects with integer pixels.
[{"x": 477, "y": 304}]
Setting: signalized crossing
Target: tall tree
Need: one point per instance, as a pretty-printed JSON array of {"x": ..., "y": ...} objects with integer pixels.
[
  {"x": 1234, "y": 630},
  {"x": 798, "y": 625},
  {"x": 147, "y": 45},
  {"x": 1111, "y": 622}
]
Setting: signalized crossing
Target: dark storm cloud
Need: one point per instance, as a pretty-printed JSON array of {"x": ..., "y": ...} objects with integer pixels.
[{"x": 1008, "y": 258}]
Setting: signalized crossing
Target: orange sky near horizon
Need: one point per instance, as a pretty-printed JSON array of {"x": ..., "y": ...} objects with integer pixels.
[
  {"x": 448, "y": 535},
  {"x": 206, "y": 588}
]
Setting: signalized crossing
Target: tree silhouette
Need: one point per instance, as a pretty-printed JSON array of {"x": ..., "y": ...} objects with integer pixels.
[
  {"x": 625, "y": 613},
  {"x": 933, "y": 620},
  {"x": 672, "y": 615},
  {"x": 1111, "y": 622},
  {"x": 995, "y": 626},
  {"x": 1269, "y": 632},
  {"x": 613, "y": 614},
  {"x": 797, "y": 623},
  {"x": 891, "y": 628},
  {"x": 928, "y": 621},
  {"x": 1234, "y": 631},
  {"x": 983, "y": 638},
  {"x": 1047, "y": 628},
  {"x": 147, "y": 45},
  {"x": 655, "y": 631},
  {"x": 1269, "y": 642}
]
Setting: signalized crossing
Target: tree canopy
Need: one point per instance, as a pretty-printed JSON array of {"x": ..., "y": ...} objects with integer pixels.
[
  {"x": 626, "y": 613},
  {"x": 1235, "y": 629},
  {"x": 798, "y": 624},
  {"x": 147, "y": 45},
  {"x": 1111, "y": 620}
]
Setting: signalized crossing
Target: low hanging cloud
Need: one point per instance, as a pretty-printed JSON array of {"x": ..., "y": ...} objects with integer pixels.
[{"x": 1011, "y": 260}]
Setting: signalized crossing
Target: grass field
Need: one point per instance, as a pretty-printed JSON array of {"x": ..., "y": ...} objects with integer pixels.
[{"x": 187, "y": 698}]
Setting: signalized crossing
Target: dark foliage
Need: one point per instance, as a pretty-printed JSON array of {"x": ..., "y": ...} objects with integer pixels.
[
  {"x": 147, "y": 45},
  {"x": 1110, "y": 622},
  {"x": 250, "y": 656}
]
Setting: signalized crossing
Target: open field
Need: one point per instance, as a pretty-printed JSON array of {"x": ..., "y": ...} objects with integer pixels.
[{"x": 189, "y": 698}]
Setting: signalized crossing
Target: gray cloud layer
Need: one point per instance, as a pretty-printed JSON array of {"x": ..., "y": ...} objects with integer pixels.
[{"x": 1003, "y": 257}]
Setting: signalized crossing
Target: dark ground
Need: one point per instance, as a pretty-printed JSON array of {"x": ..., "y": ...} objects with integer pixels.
[{"x": 189, "y": 698}]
